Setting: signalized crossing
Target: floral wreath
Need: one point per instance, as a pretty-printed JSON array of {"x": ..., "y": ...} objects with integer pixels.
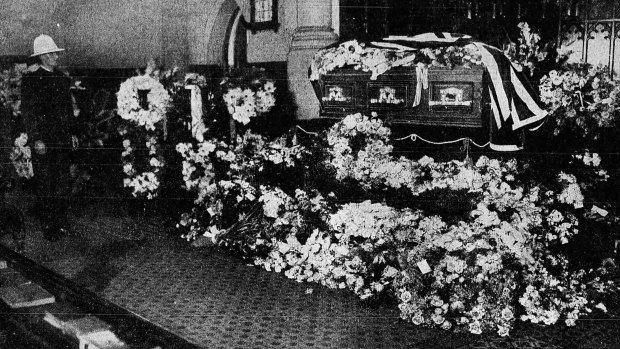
[
  {"x": 245, "y": 104},
  {"x": 245, "y": 100},
  {"x": 129, "y": 106},
  {"x": 376, "y": 151},
  {"x": 147, "y": 182}
]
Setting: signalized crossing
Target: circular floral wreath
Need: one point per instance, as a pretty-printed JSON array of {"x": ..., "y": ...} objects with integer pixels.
[
  {"x": 128, "y": 103},
  {"x": 357, "y": 161},
  {"x": 129, "y": 108}
]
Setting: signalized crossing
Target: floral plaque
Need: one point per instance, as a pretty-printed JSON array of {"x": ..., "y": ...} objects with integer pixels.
[
  {"x": 338, "y": 94},
  {"x": 380, "y": 95},
  {"x": 451, "y": 97}
]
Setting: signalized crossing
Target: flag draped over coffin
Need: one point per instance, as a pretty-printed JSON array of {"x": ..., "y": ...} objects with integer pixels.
[{"x": 514, "y": 103}]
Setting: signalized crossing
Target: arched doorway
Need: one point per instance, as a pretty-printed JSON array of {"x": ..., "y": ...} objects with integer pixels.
[
  {"x": 235, "y": 42},
  {"x": 221, "y": 20}
]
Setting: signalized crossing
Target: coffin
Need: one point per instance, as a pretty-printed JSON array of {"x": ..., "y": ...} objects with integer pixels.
[{"x": 452, "y": 97}]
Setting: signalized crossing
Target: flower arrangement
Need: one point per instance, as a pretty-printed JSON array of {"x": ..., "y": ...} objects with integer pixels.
[
  {"x": 21, "y": 157},
  {"x": 10, "y": 86},
  {"x": 464, "y": 276},
  {"x": 128, "y": 102},
  {"x": 225, "y": 179},
  {"x": 358, "y": 55},
  {"x": 581, "y": 99},
  {"x": 504, "y": 260},
  {"x": 528, "y": 51},
  {"x": 359, "y": 149},
  {"x": 379, "y": 60},
  {"x": 248, "y": 95},
  {"x": 363, "y": 161},
  {"x": 309, "y": 251},
  {"x": 451, "y": 56},
  {"x": 500, "y": 263},
  {"x": 143, "y": 126},
  {"x": 146, "y": 182}
]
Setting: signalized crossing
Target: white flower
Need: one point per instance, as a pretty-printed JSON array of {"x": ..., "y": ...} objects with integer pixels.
[
  {"x": 350, "y": 121},
  {"x": 129, "y": 108},
  {"x": 507, "y": 314},
  {"x": 572, "y": 195},
  {"x": 405, "y": 296},
  {"x": 269, "y": 87},
  {"x": 477, "y": 313},
  {"x": 272, "y": 201},
  {"x": 417, "y": 320},
  {"x": 155, "y": 162},
  {"x": 503, "y": 331},
  {"x": 551, "y": 317},
  {"x": 426, "y": 161},
  {"x": 475, "y": 328},
  {"x": 128, "y": 168},
  {"x": 437, "y": 319},
  {"x": 183, "y": 147},
  {"x": 602, "y": 307},
  {"x": 21, "y": 140}
]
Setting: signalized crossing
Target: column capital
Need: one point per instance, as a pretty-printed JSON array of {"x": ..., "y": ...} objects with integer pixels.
[{"x": 312, "y": 37}]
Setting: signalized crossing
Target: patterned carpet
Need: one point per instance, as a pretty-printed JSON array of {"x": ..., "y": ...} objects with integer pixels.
[{"x": 217, "y": 301}]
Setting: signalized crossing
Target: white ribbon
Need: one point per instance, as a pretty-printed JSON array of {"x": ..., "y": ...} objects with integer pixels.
[
  {"x": 198, "y": 127},
  {"x": 421, "y": 74}
]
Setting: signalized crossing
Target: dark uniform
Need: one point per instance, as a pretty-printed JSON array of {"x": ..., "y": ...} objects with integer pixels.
[{"x": 48, "y": 113}]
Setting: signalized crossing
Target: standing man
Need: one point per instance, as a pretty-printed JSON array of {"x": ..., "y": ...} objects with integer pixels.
[{"x": 48, "y": 113}]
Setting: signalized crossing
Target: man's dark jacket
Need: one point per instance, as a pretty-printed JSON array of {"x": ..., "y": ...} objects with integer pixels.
[
  {"x": 47, "y": 108},
  {"x": 47, "y": 111}
]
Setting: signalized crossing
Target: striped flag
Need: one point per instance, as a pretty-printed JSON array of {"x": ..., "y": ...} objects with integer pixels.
[{"x": 514, "y": 103}]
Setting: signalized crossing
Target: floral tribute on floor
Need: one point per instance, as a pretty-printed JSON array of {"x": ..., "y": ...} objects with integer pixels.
[
  {"x": 142, "y": 101},
  {"x": 470, "y": 246},
  {"x": 466, "y": 246}
]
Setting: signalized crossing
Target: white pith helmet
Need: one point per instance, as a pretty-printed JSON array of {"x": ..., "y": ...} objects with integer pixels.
[{"x": 45, "y": 44}]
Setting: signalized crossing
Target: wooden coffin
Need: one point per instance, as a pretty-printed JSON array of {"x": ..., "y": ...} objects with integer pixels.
[{"x": 453, "y": 97}]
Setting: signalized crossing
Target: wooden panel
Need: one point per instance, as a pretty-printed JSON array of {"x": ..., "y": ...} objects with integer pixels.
[{"x": 453, "y": 97}]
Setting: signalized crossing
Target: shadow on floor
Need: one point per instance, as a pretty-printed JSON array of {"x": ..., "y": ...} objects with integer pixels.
[{"x": 104, "y": 264}]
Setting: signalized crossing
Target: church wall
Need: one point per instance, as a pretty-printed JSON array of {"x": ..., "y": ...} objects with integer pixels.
[
  {"x": 100, "y": 33},
  {"x": 270, "y": 46},
  {"x": 21, "y": 21},
  {"x": 113, "y": 33},
  {"x": 128, "y": 33},
  {"x": 201, "y": 19}
]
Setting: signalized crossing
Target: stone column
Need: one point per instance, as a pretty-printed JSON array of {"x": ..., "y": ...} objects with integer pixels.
[{"x": 314, "y": 31}]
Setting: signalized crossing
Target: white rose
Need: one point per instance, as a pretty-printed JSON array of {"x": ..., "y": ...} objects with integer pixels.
[
  {"x": 128, "y": 168},
  {"x": 155, "y": 162},
  {"x": 405, "y": 296}
]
